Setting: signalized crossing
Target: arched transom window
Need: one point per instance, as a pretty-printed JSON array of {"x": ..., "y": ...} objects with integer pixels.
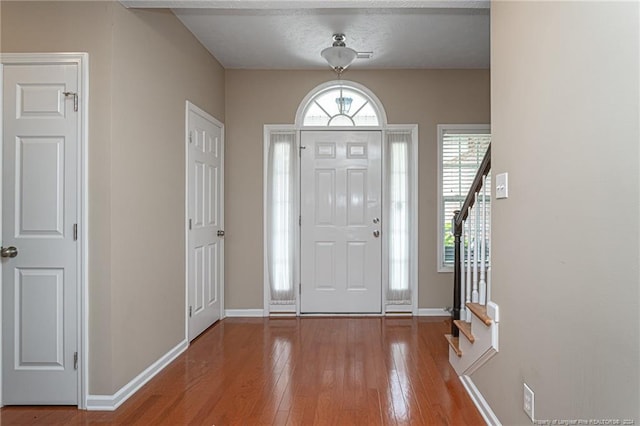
[{"x": 341, "y": 104}]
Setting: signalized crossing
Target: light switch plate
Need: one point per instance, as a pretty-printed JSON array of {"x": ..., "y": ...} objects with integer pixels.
[{"x": 502, "y": 185}]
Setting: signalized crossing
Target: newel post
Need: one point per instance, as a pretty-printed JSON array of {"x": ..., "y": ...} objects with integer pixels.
[{"x": 457, "y": 273}]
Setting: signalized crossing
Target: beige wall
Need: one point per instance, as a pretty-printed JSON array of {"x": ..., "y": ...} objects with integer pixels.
[
  {"x": 256, "y": 98},
  {"x": 565, "y": 109},
  {"x": 81, "y": 27},
  {"x": 157, "y": 66},
  {"x": 143, "y": 66}
]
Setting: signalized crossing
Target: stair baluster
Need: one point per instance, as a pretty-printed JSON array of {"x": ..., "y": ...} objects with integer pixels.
[
  {"x": 475, "y": 219},
  {"x": 457, "y": 277},
  {"x": 464, "y": 292},
  {"x": 489, "y": 262},
  {"x": 468, "y": 269},
  {"x": 483, "y": 244}
]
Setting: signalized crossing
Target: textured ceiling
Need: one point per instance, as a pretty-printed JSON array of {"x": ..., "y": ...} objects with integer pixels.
[{"x": 257, "y": 35}]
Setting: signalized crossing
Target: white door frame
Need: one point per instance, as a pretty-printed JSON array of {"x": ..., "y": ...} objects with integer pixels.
[
  {"x": 384, "y": 128},
  {"x": 191, "y": 107},
  {"x": 82, "y": 62}
]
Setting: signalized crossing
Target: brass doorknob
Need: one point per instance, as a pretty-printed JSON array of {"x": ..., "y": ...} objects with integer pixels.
[{"x": 8, "y": 251}]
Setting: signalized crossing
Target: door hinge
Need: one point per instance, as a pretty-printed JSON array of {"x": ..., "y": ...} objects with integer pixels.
[
  {"x": 75, "y": 232},
  {"x": 301, "y": 148},
  {"x": 75, "y": 99},
  {"x": 190, "y": 311},
  {"x": 299, "y": 288},
  {"x": 189, "y": 224},
  {"x": 299, "y": 220},
  {"x": 75, "y": 360},
  {"x": 190, "y": 137}
]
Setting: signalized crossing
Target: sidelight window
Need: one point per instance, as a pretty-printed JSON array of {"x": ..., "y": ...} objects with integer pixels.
[
  {"x": 399, "y": 181},
  {"x": 281, "y": 217}
]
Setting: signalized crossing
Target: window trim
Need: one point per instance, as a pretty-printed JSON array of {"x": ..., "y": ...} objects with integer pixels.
[
  {"x": 386, "y": 309},
  {"x": 268, "y": 129},
  {"x": 441, "y": 130},
  {"x": 384, "y": 127},
  {"x": 414, "y": 255},
  {"x": 352, "y": 85}
]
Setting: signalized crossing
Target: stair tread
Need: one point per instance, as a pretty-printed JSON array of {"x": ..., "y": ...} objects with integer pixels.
[
  {"x": 454, "y": 343},
  {"x": 480, "y": 311},
  {"x": 465, "y": 328}
]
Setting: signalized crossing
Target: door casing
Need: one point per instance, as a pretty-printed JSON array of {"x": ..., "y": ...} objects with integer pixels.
[
  {"x": 81, "y": 60},
  {"x": 190, "y": 107},
  {"x": 269, "y": 309}
]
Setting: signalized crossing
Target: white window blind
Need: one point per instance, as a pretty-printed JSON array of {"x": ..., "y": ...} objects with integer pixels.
[{"x": 462, "y": 149}]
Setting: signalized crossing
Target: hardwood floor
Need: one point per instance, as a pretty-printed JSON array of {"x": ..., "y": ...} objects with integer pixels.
[{"x": 294, "y": 371}]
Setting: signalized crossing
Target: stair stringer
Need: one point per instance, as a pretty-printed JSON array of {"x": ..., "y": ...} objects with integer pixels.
[{"x": 486, "y": 344}]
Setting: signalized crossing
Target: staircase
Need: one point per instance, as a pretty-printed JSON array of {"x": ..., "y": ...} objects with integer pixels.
[
  {"x": 477, "y": 340},
  {"x": 475, "y": 318}
]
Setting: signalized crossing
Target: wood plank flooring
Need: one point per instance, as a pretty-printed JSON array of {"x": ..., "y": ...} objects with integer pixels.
[{"x": 294, "y": 371}]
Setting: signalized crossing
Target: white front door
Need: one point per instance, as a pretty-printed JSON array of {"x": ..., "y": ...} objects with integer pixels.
[
  {"x": 341, "y": 213},
  {"x": 39, "y": 215},
  {"x": 205, "y": 211}
]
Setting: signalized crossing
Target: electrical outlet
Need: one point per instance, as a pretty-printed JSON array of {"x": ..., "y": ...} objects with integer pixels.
[{"x": 528, "y": 401}]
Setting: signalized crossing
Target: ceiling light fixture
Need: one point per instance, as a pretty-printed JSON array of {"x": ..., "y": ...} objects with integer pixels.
[
  {"x": 339, "y": 56},
  {"x": 344, "y": 104}
]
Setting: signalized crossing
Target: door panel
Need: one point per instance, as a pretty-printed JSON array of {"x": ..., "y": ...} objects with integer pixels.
[
  {"x": 205, "y": 206},
  {"x": 341, "y": 180},
  {"x": 325, "y": 190},
  {"x": 40, "y": 100},
  {"x": 356, "y": 265},
  {"x": 39, "y": 308},
  {"x": 356, "y": 194},
  {"x": 39, "y": 175},
  {"x": 39, "y": 208}
]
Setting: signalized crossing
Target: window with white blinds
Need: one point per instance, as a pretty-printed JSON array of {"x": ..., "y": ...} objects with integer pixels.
[{"x": 461, "y": 149}]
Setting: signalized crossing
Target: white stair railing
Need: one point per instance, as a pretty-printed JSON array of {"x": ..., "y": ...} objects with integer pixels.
[
  {"x": 475, "y": 259},
  {"x": 472, "y": 232}
]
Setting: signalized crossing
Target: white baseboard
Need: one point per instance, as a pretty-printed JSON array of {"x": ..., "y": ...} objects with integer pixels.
[
  {"x": 422, "y": 312},
  {"x": 481, "y": 404},
  {"x": 243, "y": 313},
  {"x": 112, "y": 402},
  {"x": 433, "y": 312}
]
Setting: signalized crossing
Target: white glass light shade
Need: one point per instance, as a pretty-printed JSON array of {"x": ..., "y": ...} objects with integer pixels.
[
  {"x": 339, "y": 57},
  {"x": 344, "y": 104}
]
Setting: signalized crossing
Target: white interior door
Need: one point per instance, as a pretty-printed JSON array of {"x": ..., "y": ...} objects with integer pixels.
[
  {"x": 341, "y": 212},
  {"x": 39, "y": 284},
  {"x": 205, "y": 243}
]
